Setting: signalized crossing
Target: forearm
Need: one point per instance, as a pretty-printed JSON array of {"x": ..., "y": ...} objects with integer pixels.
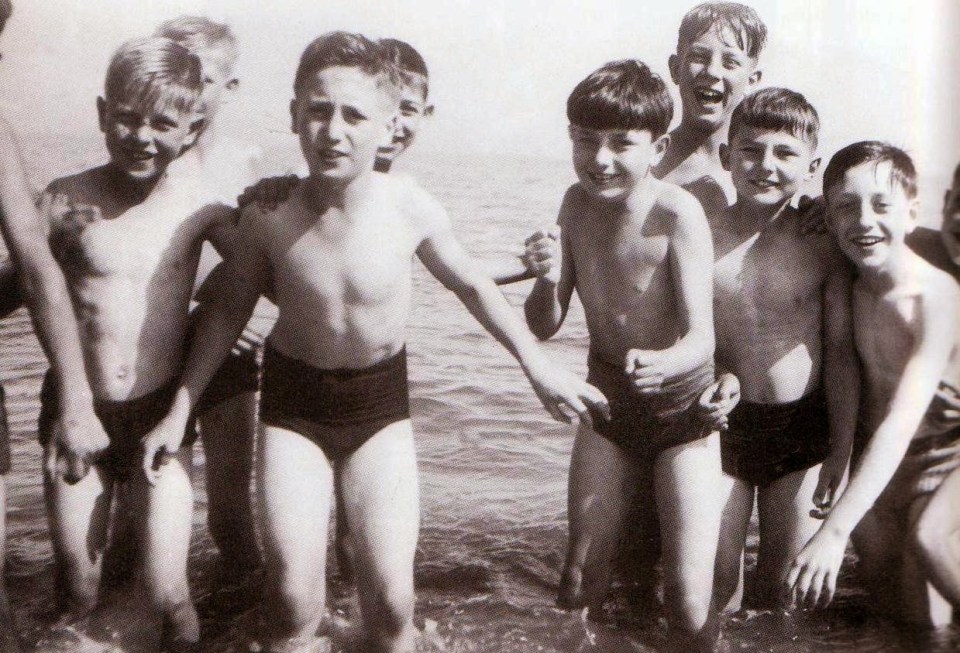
[
  {"x": 543, "y": 310},
  {"x": 507, "y": 272},
  {"x": 693, "y": 350},
  {"x": 842, "y": 387}
]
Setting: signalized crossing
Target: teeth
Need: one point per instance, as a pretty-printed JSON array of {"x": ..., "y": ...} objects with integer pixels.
[
  {"x": 602, "y": 179},
  {"x": 867, "y": 241},
  {"x": 763, "y": 183},
  {"x": 709, "y": 95}
]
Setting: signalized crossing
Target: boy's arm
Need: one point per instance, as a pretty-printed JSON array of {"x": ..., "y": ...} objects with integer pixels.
[
  {"x": 691, "y": 266},
  {"x": 10, "y": 296},
  {"x": 814, "y": 570},
  {"x": 546, "y": 306},
  {"x": 78, "y": 432},
  {"x": 221, "y": 320},
  {"x": 446, "y": 259},
  {"x": 841, "y": 380}
]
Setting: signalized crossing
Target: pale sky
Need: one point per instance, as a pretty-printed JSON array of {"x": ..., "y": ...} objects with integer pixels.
[{"x": 501, "y": 69}]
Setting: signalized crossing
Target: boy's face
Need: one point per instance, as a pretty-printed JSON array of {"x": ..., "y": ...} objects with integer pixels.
[
  {"x": 768, "y": 166},
  {"x": 413, "y": 109},
  {"x": 950, "y": 230},
  {"x": 218, "y": 80},
  {"x": 869, "y": 214},
  {"x": 143, "y": 142},
  {"x": 611, "y": 162},
  {"x": 342, "y": 118},
  {"x": 713, "y": 75}
]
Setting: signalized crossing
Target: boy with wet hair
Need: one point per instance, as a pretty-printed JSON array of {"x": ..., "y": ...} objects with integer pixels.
[
  {"x": 784, "y": 344},
  {"x": 904, "y": 493},
  {"x": 414, "y": 103},
  {"x": 637, "y": 250},
  {"x": 130, "y": 267},
  {"x": 334, "y": 390}
]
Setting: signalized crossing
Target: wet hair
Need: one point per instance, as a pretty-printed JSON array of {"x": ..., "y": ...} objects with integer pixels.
[
  {"x": 199, "y": 34},
  {"x": 742, "y": 21},
  {"x": 351, "y": 50},
  {"x": 412, "y": 67},
  {"x": 777, "y": 109},
  {"x": 622, "y": 95},
  {"x": 902, "y": 170},
  {"x": 154, "y": 72},
  {"x": 6, "y": 9}
]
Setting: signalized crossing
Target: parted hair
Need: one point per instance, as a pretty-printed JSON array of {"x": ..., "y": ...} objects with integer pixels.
[
  {"x": 777, "y": 109},
  {"x": 198, "y": 33},
  {"x": 902, "y": 170},
  {"x": 154, "y": 72},
  {"x": 409, "y": 62},
  {"x": 351, "y": 50},
  {"x": 623, "y": 94},
  {"x": 742, "y": 21}
]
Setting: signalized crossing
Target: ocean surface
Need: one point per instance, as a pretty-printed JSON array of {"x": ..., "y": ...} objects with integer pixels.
[{"x": 493, "y": 474}]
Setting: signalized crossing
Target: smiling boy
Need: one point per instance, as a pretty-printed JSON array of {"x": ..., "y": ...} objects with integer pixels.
[{"x": 904, "y": 492}]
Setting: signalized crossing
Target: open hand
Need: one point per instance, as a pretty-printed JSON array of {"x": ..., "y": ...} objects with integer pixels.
[
  {"x": 718, "y": 401},
  {"x": 557, "y": 388},
  {"x": 542, "y": 253},
  {"x": 812, "y": 578},
  {"x": 813, "y": 215},
  {"x": 944, "y": 411},
  {"x": 268, "y": 193}
]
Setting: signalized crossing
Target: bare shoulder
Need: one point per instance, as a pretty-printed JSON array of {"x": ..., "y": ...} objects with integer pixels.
[
  {"x": 414, "y": 204},
  {"x": 680, "y": 210},
  {"x": 576, "y": 205},
  {"x": 939, "y": 291},
  {"x": 83, "y": 188}
]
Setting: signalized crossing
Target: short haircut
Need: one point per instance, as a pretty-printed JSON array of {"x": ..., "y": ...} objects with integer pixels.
[
  {"x": 6, "y": 9},
  {"x": 155, "y": 72},
  {"x": 902, "y": 170},
  {"x": 777, "y": 109},
  {"x": 622, "y": 95},
  {"x": 742, "y": 21},
  {"x": 199, "y": 34},
  {"x": 351, "y": 50},
  {"x": 956, "y": 175},
  {"x": 412, "y": 67}
]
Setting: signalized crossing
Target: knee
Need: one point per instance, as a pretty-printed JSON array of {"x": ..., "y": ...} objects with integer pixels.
[
  {"x": 689, "y": 609},
  {"x": 393, "y": 613}
]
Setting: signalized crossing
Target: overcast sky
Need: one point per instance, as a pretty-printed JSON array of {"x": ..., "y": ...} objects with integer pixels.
[{"x": 501, "y": 69}]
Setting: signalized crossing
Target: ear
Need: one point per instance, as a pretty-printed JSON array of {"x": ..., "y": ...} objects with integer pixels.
[
  {"x": 428, "y": 111},
  {"x": 673, "y": 63},
  {"x": 659, "y": 149},
  {"x": 725, "y": 156},
  {"x": 914, "y": 212},
  {"x": 102, "y": 113},
  {"x": 232, "y": 84},
  {"x": 196, "y": 128},
  {"x": 812, "y": 170},
  {"x": 392, "y": 129},
  {"x": 755, "y": 78},
  {"x": 293, "y": 115}
]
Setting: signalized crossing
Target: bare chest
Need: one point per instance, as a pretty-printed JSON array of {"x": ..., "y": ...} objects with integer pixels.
[{"x": 885, "y": 331}]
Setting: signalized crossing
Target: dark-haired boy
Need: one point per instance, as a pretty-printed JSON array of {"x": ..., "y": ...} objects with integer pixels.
[
  {"x": 782, "y": 317},
  {"x": 904, "y": 493},
  {"x": 638, "y": 252},
  {"x": 337, "y": 255}
]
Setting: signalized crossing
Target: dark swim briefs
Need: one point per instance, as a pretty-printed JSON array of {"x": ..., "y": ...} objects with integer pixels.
[
  {"x": 358, "y": 403},
  {"x": 646, "y": 425},
  {"x": 928, "y": 461},
  {"x": 4, "y": 435},
  {"x": 765, "y": 442},
  {"x": 126, "y": 423}
]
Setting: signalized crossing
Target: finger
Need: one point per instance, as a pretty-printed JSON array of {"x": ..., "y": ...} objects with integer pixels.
[
  {"x": 554, "y": 232},
  {"x": 597, "y": 400},
  {"x": 815, "y": 589},
  {"x": 50, "y": 455},
  {"x": 555, "y": 412},
  {"x": 629, "y": 363},
  {"x": 149, "y": 455},
  {"x": 831, "y": 588},
  {"x": 77, "y": 468},
  {"x": 580, "y": 408}
]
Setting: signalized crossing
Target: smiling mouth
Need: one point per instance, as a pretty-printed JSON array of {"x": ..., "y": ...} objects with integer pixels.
[
  {"x": 709, "y": 96},
  {"x": 331, "y": 155},
  {"x": 602, "y": 179},
  {"x": 139, "y": 156},
  {"x": 866, "y": 241},
  {"x": 764, "y": 184}
]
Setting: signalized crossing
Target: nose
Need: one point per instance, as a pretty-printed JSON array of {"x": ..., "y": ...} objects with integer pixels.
[
  {"x": 603, "y": 156},
  {"x": 767, "y": 161},
  {"x": 714, "y": 67},
  {"x": 335, "y": 127},
  {"x": 142, "y": 134}
]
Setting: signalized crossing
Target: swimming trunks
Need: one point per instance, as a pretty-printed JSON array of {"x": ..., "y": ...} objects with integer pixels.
[
  {"x": 646, "y": 425},
  {"x": 126, "y": 423},
  {"x": 765, "y": 442},
  {"x": 356, "y": 402},
  {"x": 4, "y": 435},
  {"x": 928, "y": 461}
]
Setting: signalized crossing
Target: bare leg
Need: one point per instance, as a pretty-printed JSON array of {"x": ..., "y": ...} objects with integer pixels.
[
  {"x": 937, "y": 535},
  {"x": 602, "y": 486},
  {"x": 688, "y": 479},
  {"x": 785, "y": 527},
  {"x": 228, "y": 432},
  {"x": 879, "y": 542},
  {"x": 295, "y": 484},
  {"x": 342, "y": 543},
  {"x": 167, "y": 509},
  {"x": 381, "y": 498},
  {"x": 8, "y": 630},
  {"x": 79, "y": 515},
  {"x": 736, "y": 498}
]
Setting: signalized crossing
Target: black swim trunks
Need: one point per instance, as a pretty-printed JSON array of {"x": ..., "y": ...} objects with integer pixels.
[
  {"x": 4, "y": 435},
  {"x": 646, "y": 425},
  {"x": 126, "y": 423},
  {"x": 765, "y": 442},
  {"x": 357, "y": 402}
]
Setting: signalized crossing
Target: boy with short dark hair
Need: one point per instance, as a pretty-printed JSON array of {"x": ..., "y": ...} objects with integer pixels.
[
  {"x": 784, "y": 342},
  {"x": 334, "y": 390},
  {"x": 905, "y": 489},
  {"x": 637, "y": 250}
]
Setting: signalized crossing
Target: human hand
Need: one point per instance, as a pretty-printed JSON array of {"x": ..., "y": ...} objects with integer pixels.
[
  {"x": 78, "y": 439},
  {"x": 250, "y": 340},
  {"x": 648, "y": 369},
  {"x": 813, "y": 215},
  {"x": 268, "y": 193},
  {"x": 556, "y": 387},
  {"x": 542, "y": 254},
  {"x": 718, "y": 401},
  {"x": 833, "y": 476},
  {"x": 944, "y": 411},
  {"x": 159, "y": 446},
  {"x": 812, "y": 577}
]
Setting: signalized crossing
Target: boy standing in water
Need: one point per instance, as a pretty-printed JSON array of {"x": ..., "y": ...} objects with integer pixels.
[
  {"x": 784, "y": 338},
  {"x": 130, "y": 268},
  {"x": 905, "y": 489},
  {"x": 638, "y": 252},
  {"x": 337, "y": 254}
]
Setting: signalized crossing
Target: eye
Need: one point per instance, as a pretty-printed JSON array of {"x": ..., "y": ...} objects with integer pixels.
[
  {"x": 353, "y": 116},
  {"x": 731, "y": 63}
]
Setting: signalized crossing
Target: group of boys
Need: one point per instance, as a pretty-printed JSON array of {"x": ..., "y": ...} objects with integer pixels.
[{"x": 727, "y": 347}]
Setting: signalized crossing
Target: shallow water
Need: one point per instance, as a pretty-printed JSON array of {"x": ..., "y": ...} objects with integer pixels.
[{"x": 493, "y": 477}]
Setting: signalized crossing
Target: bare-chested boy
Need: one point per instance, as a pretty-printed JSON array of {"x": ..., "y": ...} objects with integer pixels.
[
  {"x": 130, "y": 269},
  {"x": 782, "y": 318},
  {"x": 338, "y": 255},
  {"x": 905, "y": 487},
  {"x": 638, "y": 252}
]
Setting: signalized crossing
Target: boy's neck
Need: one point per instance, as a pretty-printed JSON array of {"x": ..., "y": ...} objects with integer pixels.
[
  {"x": 322, "y": 193},
  {"x": 691, "y": 136},
  {"x": 899, "y": 271},
  {"x": 126, "y": 188}
]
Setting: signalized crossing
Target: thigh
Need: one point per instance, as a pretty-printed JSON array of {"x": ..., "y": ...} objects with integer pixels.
[
  {"x": 165, "y": 511},
  {"x": 785, "y": 522},
  {"x": 603, "y": 482},
  {"x": 79, "y": 515}
]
